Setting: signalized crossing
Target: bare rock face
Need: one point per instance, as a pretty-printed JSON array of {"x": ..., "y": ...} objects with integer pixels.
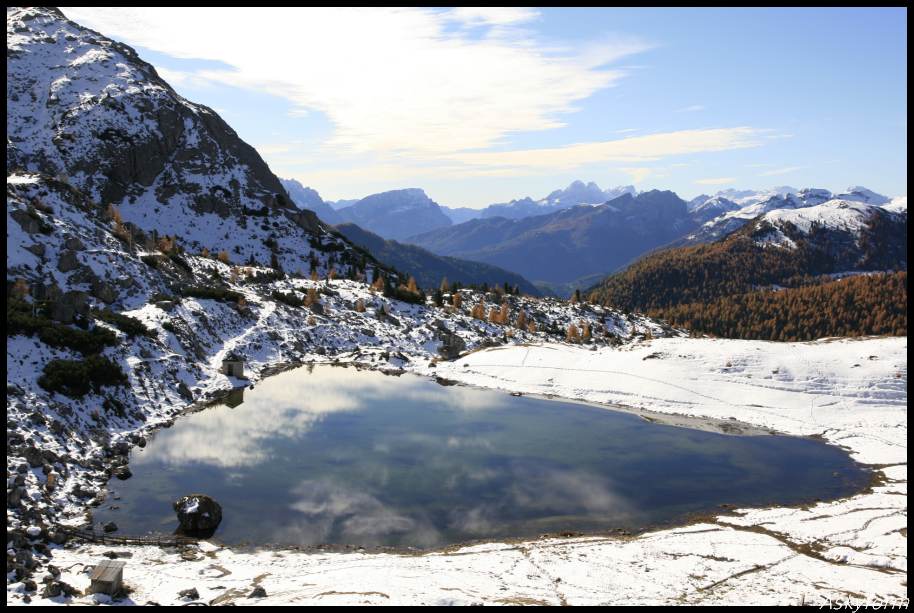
[
  {"x": 198, "y": 514},
  {"x": 451, "y": 344}
]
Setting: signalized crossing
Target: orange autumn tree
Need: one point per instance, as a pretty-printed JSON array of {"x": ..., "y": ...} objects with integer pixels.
[{"x": 521, "y": 322}]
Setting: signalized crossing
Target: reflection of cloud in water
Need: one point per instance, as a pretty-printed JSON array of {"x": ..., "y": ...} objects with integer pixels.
[
  {"x": 476, "y": 442},
  {"x": 478, "y": 521},
  {"x": 563, "y": 491},
  {"x": 460, "y": 476},
  {"x": 289, "y": 405},
  {"x": 536, "y": 493},
  {"x": 283, "y": 406},
  {"x": 337, "y": 514}
]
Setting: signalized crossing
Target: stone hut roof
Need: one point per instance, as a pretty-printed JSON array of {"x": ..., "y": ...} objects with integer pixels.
[{"x": 231, "y": 356}]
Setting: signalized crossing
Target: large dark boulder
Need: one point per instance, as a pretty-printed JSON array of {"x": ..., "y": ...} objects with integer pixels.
[
  {"x": 451, "y": 345},
  {"x": 198, "y": 514}
]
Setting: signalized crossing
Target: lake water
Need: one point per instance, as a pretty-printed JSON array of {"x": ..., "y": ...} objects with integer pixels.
[{"x": 333, "y": 455}]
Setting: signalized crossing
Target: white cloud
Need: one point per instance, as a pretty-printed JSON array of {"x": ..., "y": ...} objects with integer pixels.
[
  {"x": 691, "y": 109},
  {"x": 781, "y": 171},
  {"x": 520, "y": 163},
  {"x": 716, "y": 181},
  {"x": 492, "y": 15},
  {"x": 391, "y": 81},
  {"x": 633, "y": 149}
]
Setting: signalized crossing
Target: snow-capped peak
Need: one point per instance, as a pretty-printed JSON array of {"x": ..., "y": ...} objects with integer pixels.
[
  {"x": 898, "y": 204},
  {"x": 862, "y": 194}
]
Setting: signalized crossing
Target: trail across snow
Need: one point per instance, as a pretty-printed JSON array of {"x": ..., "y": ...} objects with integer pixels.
[{"x": 265, "y": 310}]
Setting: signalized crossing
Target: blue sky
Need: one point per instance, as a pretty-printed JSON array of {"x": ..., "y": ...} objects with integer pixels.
[{"x": 484, "y": 105}]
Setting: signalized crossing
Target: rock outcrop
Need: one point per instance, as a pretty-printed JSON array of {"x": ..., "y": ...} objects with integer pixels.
[{"x": 198, "y": 514}]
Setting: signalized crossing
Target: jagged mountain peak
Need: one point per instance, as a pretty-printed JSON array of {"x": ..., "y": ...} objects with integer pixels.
[
  {"x": 310, "y": 193},
  {"x": 397, "y": 213},
  {"x": 310, "y": 199}
]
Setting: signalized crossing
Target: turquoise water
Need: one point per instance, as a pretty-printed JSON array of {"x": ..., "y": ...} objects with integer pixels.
[{"x": 332, "y": 455}]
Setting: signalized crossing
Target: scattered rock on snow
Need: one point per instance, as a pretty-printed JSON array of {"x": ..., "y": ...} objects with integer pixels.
[{"x": 190, "y": 594}]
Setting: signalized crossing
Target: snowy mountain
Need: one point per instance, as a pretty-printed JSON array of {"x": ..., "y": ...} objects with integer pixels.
[
  {"x": 146, "y": 242},
  {"x": 580, "y": 193},
  {"x": 307, "y": 198},
  {"x": 743, "y": 197},
  {"x": 857, "y": 235},
  {"x": 711, "y": 207},
  {"x": 899, "y": 204},
  {"x": 862, "y": 194},
  {"x": 90, "y": 112},
  {"x": 396, "y": 214},
  {"x": 731, "y": 219},
  {"x": 575, "y": 194}
]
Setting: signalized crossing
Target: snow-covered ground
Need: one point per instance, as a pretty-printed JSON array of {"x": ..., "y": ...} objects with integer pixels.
[{"x": 850, "y": 392}]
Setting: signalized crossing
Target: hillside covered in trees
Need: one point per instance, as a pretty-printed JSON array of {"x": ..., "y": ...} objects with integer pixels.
[
  {"x": 861, "y": 305},
  {"x": 746, "y": 260},
  {"x": 775, "y": 281}
]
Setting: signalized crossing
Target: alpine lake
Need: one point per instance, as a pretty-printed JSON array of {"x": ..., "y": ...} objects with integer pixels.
[{"x": 325, "y": 455}]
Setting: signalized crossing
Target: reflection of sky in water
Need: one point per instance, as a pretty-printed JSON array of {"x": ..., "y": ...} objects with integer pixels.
[
  {"x": 289, "y": 405},
  {"x": 344, "y": 456}
]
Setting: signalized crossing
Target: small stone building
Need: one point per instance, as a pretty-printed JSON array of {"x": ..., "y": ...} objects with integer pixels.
[
  {"x": 107, "y": 577},
  {"x": 233, "y": 365}
]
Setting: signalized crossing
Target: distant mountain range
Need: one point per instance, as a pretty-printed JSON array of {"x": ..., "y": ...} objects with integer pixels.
[
  {"x": 575, "y": 194},
  {"x": 406, "y": 212},
  {"x": 570, "y": 239},
  {"x": 429, "y": 269},
  {"x": 383, "y": 210},
  {"x": 570, "y": 243}
]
